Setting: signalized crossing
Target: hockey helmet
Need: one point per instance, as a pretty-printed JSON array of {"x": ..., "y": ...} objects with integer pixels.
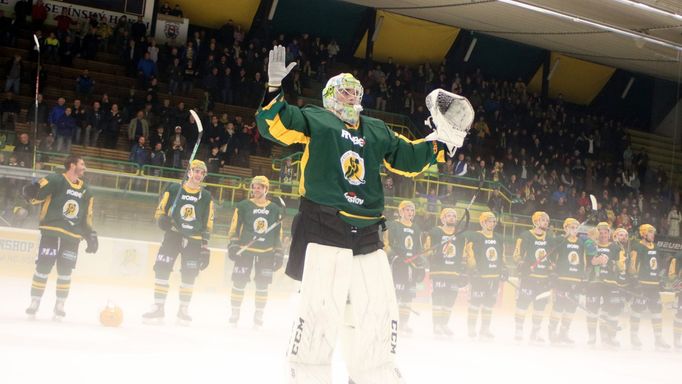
[
  {"x": 570, "y": 221},
  {"x": 646, "y": 228}
]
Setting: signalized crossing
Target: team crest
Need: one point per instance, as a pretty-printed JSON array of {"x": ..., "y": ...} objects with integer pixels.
[
  {"x": 188, "y": 213},
  {"x": 171, "y": 30},
  {"x": 540, "y": 254},
  {"x": 71, "y": 209},
  {"x": 653, "y": 263},
  {"x": 449, "y": 250},
  {"x": 353, "y": 168},
  {"x": 260, "y": 225},
  {"x": 573, "y": 258},
  {"x": 491, "y": 254},
  {"x": 409, "y": 243}
]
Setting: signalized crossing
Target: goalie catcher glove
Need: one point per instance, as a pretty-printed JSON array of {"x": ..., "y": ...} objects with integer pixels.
[
  {"x": 204, "y": 255},
  {"x": 92, "y": 241},
  {"x": 30, "y": 191},
  {"x": 451, "y": 118}
]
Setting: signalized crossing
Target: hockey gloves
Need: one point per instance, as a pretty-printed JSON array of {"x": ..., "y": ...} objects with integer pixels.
[
  {"x": 91, "y": 239},
  {"x": 204, "y": 255},
  {"x": 30, "y": 191},
  {"x": 277, "y": 68},
  {"x": 165, "y": 223},
  {"x": 232, "y": 250},
  {"x": 279, "y": 260}
]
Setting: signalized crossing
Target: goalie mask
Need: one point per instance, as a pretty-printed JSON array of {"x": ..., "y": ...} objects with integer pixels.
[
  {"x": 451, "y": 118},
  {"x": 342, "y": 96}
]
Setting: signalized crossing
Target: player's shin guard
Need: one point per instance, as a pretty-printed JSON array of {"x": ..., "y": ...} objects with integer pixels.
[
  {"x": 63, "y": 286},
  {"x": 160, "y": 291},
  {"x": 537, "y": 323},
  {"x": 677, "y": 331},
  {"x": 38, "y": 284},
  {"x": 592, "y": 320},
  {"x": 566, "y": 320},
  {"x": 186, "y": 291},
  {"x": 236, "y": 298},
  {"x": 486, "y": 317},
  {"x": 519, "y": 319},
  {"x": 261, "y": 300},
  {"x": 635, "y": 319},
  {"x": 472, "y": 319}
]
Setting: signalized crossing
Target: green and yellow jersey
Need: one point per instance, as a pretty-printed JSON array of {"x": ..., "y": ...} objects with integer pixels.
[
  {"x": 67, "y": 207},
  {"x": 193, "y": 213},
  {"x": 253, "y": 220}
]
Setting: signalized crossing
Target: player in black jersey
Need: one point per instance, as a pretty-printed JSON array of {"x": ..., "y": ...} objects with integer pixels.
[
  {"x": 530, "y": 254},
  {"x": 569, "y": 260},
  {"x": 446, "y": 269},
  {"x": 675, "y": 276},
  {"x": 645, "y": 267},
  {"x": 404, "y": 247},
  {"x": 484, "y": 253}
]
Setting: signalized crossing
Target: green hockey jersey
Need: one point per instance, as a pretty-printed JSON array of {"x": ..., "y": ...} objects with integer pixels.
[
  {"x": 447, "y": 250},
  {"x": 252, "y": 220},
  {"x": 646, "y": 263},
  {"x": 402, "y": 240},
  {"x": 193, "y": 213},
  {"x": 67, "y": 207},
  {"x": 531, "y": 253},
  {"x": 485, "y": 254},
  {"x": 570, "y": 260}
]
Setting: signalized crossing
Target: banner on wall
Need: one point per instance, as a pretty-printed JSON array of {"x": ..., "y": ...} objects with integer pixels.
[
  {"x": 171, "y": 30},
  {"x": 82, "y": 11}
]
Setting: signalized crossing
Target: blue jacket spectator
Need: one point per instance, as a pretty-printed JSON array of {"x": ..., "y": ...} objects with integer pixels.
[{"x": 138, "y": 153}]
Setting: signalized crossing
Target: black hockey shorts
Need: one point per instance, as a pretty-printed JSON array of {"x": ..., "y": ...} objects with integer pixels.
[
  {"x": 604, "y": 296},
  {"x": 404, "y": 282},
  {"x": 445, "y": 289},
  {"x": 484, "y": 292},
  {"x": 244, "y": 264},
  {"x": 321, "y": 224},
  {"x": 566, "y": 296},
  {"x": 175, "y": 244},
  {"x": 62, "y": 251},
  {"x": 649, "y": 298},
  {"x": 530, "y": 288}
]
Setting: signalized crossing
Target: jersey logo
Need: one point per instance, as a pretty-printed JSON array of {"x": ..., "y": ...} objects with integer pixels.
[
  {"x": 260, "y": 225},
  {"x": 653, "y": 263},
  {"x": 491, "y": 254},
  {"x": 409, "y": 244},
  {"x": 353, "y": 168},
  {"x": 188, "y": 213},
  {"x": 540, "y": 254},
  {"x": 449, "y": 250},
  {"x": 573, "y": 258},
  {"x": 70, "y": 209}
]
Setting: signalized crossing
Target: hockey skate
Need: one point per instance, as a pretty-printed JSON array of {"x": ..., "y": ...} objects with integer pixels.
[
  {"x": 257, "y": 319},
  {"x": 59, "y": 313},
  {"x": 33, "y": 308},
  {"x": 564, "y": 339},
  {"x": 486, "y": 335},
  {"x": 183, "y": 316},
  {"x": 234, "y": 318},
  {"x": 678, "y": 344},
  {"x": 155, "y": 315},
  {"x": 518, "y": 335},
  {"x": 635, "y": 341},
  {"x": 535, "y": 337},
  {"x": 661, "y": 345}
]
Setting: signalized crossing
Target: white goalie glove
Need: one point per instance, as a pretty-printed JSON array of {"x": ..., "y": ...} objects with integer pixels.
[
  {"x": 277, "y": 68},
  {"x": 451, "y": 118}
]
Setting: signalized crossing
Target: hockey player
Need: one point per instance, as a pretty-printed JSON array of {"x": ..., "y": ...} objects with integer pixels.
[
  {"x": 602, "y": 296},
  {"x": 187, "y": 222},
  {"x": 336, "y": 232},
  {"x": 403, "y": 246},
  {"x": 254, "y": 218},
  {"x": 446, "y": 269},
  {"x": 65, "y": 220},
  {"x": 484, "y": 253},
  {"x": 675, "y": 277},
  {"x": 530, "y": 253},
  {"x": 570, "y": 261},
  {"x": 645, "y": 267}
]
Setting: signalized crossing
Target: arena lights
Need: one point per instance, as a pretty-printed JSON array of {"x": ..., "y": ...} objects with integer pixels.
[
  {"x": 600, "y": 25},
  {"x": 649, "y": 8}
]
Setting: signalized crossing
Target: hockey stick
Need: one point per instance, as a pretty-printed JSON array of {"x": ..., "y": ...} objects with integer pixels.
[
  {"x": 35, "y": 122},
  {"x": 268, "y": 230},
  {"x": 593, "y": 202},
  {"x": 200, "y": 129}
]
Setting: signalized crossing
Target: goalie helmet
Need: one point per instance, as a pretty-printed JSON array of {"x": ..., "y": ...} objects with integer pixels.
[
  {"x": 342, "y": 96},
  {"x": 451, "y": 117},
  {"x": 111, "y": 315}
]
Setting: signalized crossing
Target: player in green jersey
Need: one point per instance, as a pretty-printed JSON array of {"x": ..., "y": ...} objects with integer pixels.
[
  {"x": 675, "y": 277},
  {"x": 346, "y": 285},
  {"x": 185, "y": 214},
  {"x": 645, "y": 267},
  {"x": 254, "y": 218},
  {"x": 65, "y": 220},
  {"x": 484, "y": 254}
]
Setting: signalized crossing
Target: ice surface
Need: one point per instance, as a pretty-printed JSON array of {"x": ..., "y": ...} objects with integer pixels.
[{"x": 80, "y": 350}]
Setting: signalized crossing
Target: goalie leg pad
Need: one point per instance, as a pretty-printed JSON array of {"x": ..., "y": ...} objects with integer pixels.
[{"x": 370, "y": 339}]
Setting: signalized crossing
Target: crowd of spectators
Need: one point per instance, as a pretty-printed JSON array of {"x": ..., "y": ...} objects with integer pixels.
[{"x": 543, "y": 153}]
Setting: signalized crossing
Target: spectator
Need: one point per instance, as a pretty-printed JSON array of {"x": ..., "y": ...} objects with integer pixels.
[
  {"x": 90, "y": 44},
  {"x": 159, "y": 137},
  {"x": 175, "y": 74},
  {"x": 216, "y": 133},
  {"x": 139, "y": 126},
  {"x": 165, "y": 9},
  {"x": 495, "y": 203},
  {"x": 66, "y": 127},
  {"x": 38, "y": 14},
  {"x": 41, "y": 114},
  {"x": 146, "y": 69},
  {"x": 13, "y": 68},
  {"x": 68, "y": 49},
  {"x": 674, "y": 219},
  {"x": 139, "y": 29},
  {"x": 79, "y": 115},
  {"x": 138, "y": 153},
  {"x": 10, "y": 109},
  {"x": 64, "y": 23},
  {"x": 188, "y": 76},
  {"x": 104, "y": 35},
  {"x": 178, "y": 143},
  {"x": 55, "y": 114},
  {"x": 23, "y": 151},
  {"x": 177, "y": 11},
  {"x": 214, "y": 161},
  {"x": 112, "y": 129},
  {"x": 95, "y": 121},
  {"x": 157, "y": 159}
]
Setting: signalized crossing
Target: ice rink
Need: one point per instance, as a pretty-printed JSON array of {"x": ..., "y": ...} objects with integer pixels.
[{"x": 80, "y": 350}]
